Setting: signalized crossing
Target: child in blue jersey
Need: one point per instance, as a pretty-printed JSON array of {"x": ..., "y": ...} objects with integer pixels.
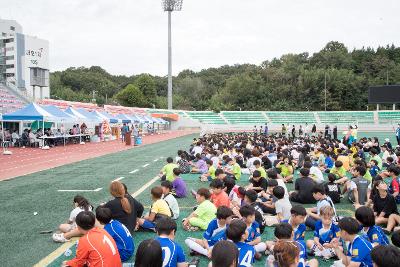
[
  {"x": 365, "y": 216},
  {"x": 326, "y": 232},
  {"x": 214, "y": 233},
  {"x": 172, "y": 252},
  {"x": 121, "y": 235},
  {"x": 359, "y": 248},
  {"x": 297, "y": 216},
  {"x": 284, "y": 233},
  {"x": 248, "y": 214},
  {"x": 236, "y": 232}
]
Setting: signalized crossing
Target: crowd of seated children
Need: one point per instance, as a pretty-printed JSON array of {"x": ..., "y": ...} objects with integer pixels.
[{"x": 228, "y": 211}]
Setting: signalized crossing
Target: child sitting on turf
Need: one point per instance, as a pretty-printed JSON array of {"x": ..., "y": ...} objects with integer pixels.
[
  {"x": 204, "y": 213},
  {"x": 121, "y": 235},
  {"x": 358, "y": 187},
  {"x": 326, "y": 232},
  {"x": 332, "y": 189},
  {"x": 95, "y": 246},
  {"x": 158, "y": 209},
  {"x": 314, "y": 214},
  {"x": 214, "y": 233},
  {"x": 374, "y": 169},
  {"x": 365, "y": 216},
  {"x": 297, "y": 216},
  {"x": 284, "y": 232},
  {"x": 220, "y": 174},
  {"x": 210, "y": 174},
  {"x": 234, "y": 169},
  {"x": 282, "y": 207},
  {"x": 178, "y": 185},
  {"x": 258, "y": 167},
  {"x": 272, "y": 174},
  {"x": 219, "y": 196},
  {"x": 236, "y": 232},
  {"x": 257, "y": 182},
  {"x": 340, "y": 172},
  {"x": 69, "y": 228},
  {"x": 248, "y": 215},
  {"x": 268, "y": 199},
  {"x": 170, "y": 199},
  {"x": 359, "y": 248},
  {"x": 172, "y": 252},
  {"x": 236, "y": 194},
  {"x": 287, "y": 169},
  {"x": 166, "y": 173},
  {"x": 200, "y": 166}
]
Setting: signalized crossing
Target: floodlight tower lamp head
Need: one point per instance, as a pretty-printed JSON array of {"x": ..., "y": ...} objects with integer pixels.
[{"x": 172, "y": 5}]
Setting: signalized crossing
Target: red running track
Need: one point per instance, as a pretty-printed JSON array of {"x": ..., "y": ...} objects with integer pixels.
[{"x": 29, "y": 160}]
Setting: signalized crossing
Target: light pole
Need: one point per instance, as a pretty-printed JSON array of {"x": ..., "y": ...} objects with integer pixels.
[
  {"x": 169, "y": 6},
  {"x": 325, "y": 91}
]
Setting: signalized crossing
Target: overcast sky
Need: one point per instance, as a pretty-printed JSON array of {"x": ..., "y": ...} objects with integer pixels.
[{"x": 130, "y": 36}]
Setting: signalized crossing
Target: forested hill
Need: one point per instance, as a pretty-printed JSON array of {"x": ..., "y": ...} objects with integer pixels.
[{"x": 291, "y": 82}]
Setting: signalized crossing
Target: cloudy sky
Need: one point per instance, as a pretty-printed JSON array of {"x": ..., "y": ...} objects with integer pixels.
[{"x": 130, "y": 36}]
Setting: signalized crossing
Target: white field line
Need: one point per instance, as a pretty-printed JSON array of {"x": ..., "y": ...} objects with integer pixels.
[
  {"x": 145, "y": 165},
  {"x": 80, "y": 190},
  {"x": 136, "y": 170},
  {"x": 155, "y": 160}
]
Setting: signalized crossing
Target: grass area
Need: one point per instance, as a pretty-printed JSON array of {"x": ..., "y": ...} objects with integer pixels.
[{"x": 23, "y": 245}]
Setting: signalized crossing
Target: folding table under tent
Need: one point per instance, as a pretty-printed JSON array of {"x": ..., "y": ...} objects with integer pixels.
[{"x": 31, "y": 112}]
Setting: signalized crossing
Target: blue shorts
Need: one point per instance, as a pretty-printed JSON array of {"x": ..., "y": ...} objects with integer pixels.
[{"x": 149, "y": 225}]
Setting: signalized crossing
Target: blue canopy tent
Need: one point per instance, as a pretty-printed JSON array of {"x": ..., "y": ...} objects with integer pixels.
[
  {"x": 150, "y": 119},
  {"x": 91, "y": 117},
  {"x": 135, "y": 119},
  {"x": 163, "y": 121},
  {"x": 31, "y": 112},
  {"x": 61, "y": 115},
  {"x": 142, "y": 118},
  {"x": 106, "y": 116},
  {"x": 76, "y": 114},
  {"x": 124, "y": 118}
]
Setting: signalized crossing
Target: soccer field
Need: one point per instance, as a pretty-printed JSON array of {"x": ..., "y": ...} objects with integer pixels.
[{"x": 22, "y": 243}]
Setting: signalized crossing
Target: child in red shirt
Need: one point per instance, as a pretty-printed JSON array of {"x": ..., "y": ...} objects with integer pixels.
[
  {"x": 219, "y": 197},
  {"x": 96, "y": 247}
]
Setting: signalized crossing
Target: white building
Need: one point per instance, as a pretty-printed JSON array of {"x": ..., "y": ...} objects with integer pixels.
[{"x": 24, "y": 61}]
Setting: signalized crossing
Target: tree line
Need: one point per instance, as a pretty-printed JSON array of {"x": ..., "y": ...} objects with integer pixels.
[{"x": 292, "y": 82}]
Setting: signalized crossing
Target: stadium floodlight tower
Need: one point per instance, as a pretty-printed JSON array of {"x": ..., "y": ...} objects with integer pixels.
[{"x": 169, "y": 6}]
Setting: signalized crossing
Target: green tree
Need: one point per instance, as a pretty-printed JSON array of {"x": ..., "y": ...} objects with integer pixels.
[{"x": 131, "y": 96}]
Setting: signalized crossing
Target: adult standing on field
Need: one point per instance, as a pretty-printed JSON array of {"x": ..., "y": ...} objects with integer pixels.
[{"x": 398, "y": 134}]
